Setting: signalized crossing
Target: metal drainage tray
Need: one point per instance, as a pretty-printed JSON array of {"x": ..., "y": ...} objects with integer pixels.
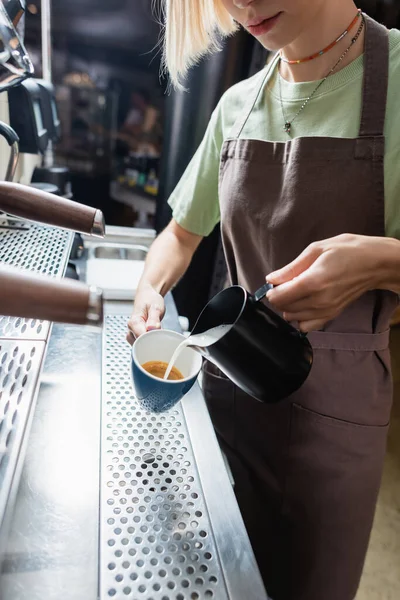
[
  {"x": 22, "y": 348},
  {"x": 156, "y": 540},
  {"x": 19, "y": 370}
]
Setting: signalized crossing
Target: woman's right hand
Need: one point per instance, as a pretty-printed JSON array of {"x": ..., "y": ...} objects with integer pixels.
[
  {"x": 148, "y": 312},
  {"x": 167, "y": 261}
]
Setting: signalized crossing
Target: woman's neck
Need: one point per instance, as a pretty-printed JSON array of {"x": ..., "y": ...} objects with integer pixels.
[{"x": 332, "y": 20}]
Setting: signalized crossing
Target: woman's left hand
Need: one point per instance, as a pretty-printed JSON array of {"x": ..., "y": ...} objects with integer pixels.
[{"x": 325, "y": 278}]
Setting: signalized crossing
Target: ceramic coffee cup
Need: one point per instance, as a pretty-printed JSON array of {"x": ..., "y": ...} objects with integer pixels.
[{"x": 154, "y": 394}]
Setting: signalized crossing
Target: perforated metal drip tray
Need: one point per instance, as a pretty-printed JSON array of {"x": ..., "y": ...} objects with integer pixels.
[
  {"x": 156, "y": 538},
  {"x": 22, "y": 347},
  {"x": 19, "y": 369}
]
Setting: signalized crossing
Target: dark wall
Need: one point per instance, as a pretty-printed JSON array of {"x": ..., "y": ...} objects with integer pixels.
[{"x": 384, "y": 11}]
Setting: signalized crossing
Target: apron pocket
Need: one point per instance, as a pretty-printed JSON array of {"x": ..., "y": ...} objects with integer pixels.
[
  {"x": 219, "y": 393},
  {"x": 333, "y": 477},
  {"x": 348, "y": 387}
]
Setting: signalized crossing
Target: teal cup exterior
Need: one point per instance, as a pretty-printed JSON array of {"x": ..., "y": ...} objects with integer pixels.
[{"x": 154, "y": 394}]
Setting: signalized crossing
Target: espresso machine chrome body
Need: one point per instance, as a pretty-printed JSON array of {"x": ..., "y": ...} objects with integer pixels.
[
  {"x": 33, "y": 293},
  {"x": 15, "y": 64}
]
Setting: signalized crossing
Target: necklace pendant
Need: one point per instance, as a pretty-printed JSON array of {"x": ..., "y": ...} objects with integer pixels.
[{"x": 287, "y": 127}]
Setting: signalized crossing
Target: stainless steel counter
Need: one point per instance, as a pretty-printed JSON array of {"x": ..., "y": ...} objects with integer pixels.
[
  {"x": 116, "y": 502},
  {"x": 52, "y": 550}
]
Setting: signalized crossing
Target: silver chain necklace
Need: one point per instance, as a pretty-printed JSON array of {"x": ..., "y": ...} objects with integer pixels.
[{"x": 289, "y": 122}]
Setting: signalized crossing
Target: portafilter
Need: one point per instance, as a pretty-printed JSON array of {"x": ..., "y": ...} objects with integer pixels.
[{"x": 33, "y": 204}]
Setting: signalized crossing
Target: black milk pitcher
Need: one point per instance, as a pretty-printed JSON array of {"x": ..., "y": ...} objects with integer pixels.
[{"x": 261, "y": 353}]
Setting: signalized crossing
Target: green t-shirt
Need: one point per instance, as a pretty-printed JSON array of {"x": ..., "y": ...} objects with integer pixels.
[{"x": 335, "y": 111}]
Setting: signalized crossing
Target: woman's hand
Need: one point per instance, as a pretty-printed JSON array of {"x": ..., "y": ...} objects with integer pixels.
[
  {"x": 167, "y": 261},
  {"x": 328, "y": 276},
  {"x": 148, "y": 311}
]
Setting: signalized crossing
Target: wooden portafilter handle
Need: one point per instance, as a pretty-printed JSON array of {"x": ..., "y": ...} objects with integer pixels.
[
  {"x": 32, "y": 204},
  {"x": 33, "y": 296}
]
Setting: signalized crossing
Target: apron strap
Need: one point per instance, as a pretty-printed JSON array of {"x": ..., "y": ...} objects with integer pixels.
[
  {"x": 250, "y": 103},
  {"x": 356, "y": 342},
  {"x": 375, "y": 86},
  {"x": 376, "y": 78}
]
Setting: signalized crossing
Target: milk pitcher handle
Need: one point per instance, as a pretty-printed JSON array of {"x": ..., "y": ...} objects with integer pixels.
[{"x": 262, "y": 292}]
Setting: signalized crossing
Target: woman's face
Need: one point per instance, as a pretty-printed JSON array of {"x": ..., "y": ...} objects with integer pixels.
[{"x": 275, "y": 23}]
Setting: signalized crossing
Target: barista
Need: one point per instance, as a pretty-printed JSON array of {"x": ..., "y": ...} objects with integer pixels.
[{"x": 300, "y": 165}]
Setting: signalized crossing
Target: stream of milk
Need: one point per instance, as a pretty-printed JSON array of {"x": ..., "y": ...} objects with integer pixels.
[{"x": 201, "y": 340}]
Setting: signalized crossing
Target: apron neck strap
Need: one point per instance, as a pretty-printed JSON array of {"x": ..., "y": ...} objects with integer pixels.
[
  {"x": 376, "y": 78},
  {"x": 251, "y": 102},
  {"x": 375, "y": 86}
]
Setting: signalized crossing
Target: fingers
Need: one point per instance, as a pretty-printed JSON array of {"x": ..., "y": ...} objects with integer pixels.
[
  {"x": 326, "y": 304},
  {"x": 130, "y": 338},
  {"x": 299, "y": 306},
  {"x": 136, "y": 326},
  {"x": 315, "y": 325},
  {"x": 148, "y": 319},
  {"x": 292, "y": 292},
  {"x": 309, "y": 315},
  {"x": 296, "y": 267},
  {"x": 154, "y": 317}
]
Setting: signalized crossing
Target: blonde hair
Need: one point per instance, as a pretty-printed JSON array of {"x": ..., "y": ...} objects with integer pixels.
[{"x": 193, "y": 28}]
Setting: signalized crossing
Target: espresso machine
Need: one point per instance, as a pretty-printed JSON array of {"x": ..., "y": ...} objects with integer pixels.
[
  {"x": 35, "y": 228},
  {"x": 35, "y": 205},
  {"x": 99, "y": 498}
]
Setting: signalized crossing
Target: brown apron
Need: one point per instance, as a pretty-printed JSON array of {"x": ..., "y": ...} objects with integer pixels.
[{"x": 307, "y": 471}]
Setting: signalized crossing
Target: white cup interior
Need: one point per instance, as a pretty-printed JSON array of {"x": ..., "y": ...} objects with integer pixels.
[{"x": 159, "y": 345}]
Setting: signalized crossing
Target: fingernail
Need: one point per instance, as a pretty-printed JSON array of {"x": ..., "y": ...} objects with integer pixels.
[{"x": 153, "y": 326}]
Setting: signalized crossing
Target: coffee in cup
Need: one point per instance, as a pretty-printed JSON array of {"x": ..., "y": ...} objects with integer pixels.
[
  {"x": 157, "y": 368},
  {"x": 154, "y": 350}
]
